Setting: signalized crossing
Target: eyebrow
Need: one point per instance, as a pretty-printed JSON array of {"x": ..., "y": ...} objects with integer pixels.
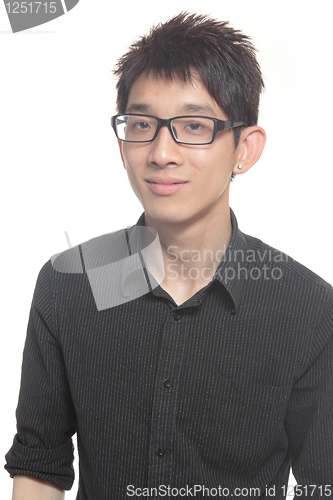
[
  {"x": 137, "y": 107},
  {"x": 186, "y": 108},
  {"x": 197, "y": 108}
]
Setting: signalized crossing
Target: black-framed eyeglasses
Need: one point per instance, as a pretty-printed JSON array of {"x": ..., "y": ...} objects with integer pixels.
[{"x": 194, "y": 130}]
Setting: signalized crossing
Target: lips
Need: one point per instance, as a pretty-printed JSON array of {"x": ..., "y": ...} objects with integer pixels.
[
  {"x": 165, "y": 185},
  {"x": 165, "y": 180}
]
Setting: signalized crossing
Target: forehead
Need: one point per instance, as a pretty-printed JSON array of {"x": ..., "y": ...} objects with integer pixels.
[{"x": 153, "y": 94}]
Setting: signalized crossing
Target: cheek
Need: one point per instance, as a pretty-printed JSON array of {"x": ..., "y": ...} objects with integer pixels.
[
  {"x": 133, "y": 157},
  {"x": 213, "y": 172},
  {"x": 131, "y": 162},
  {"x": 213, "y": 165},
  {"x": 131, "y": 176}
]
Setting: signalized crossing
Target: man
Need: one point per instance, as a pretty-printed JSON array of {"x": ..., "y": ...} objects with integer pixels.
[{"x": 191, "y": 359}]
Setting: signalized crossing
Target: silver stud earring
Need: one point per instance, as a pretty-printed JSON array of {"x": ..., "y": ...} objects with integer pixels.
[{"x": 240, "y": 166}]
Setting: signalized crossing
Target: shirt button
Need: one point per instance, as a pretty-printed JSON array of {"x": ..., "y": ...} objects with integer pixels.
[
  {"x": 167, "y": 383},
  {"x": 233, "y": 311},
  {"x": 176, "y": 316},
  {"x": 160, "y": 452}
]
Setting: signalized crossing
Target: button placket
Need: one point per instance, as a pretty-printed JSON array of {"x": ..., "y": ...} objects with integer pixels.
[{"x": 165, "y": 400}]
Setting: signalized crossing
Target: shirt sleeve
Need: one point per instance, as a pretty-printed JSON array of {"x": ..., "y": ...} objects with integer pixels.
[
  {"x": 309, "y": 420},
  {"x": 43, "y": 447}
]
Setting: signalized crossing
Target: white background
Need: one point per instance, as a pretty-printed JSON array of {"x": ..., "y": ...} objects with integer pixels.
[{"x": 60, "y": 167}]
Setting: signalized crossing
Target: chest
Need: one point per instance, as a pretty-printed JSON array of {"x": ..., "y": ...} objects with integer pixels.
[{"x": 125, "y": 343}]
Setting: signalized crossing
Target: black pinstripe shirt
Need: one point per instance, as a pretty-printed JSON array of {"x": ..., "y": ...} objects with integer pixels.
[{"x": 225, "y": 391}]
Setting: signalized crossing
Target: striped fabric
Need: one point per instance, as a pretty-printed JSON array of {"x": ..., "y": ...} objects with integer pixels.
[{"x": 227, "y": 390}]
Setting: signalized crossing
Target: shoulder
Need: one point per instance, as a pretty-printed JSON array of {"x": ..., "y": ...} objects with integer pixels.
[
  {"x": 92, "y": 253},
  {"x": 65, "y": 273},
  {"x": 293, "y": 296},
  {"x": 261, "y": 253},
  {"x": 92, "y": 274}
]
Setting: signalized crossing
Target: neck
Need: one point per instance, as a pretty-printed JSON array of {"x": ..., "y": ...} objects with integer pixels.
[{"x": 192, "y": 250}]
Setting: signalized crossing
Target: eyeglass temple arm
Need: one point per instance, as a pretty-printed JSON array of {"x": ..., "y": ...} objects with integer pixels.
[{"x": 221, "y": 125}]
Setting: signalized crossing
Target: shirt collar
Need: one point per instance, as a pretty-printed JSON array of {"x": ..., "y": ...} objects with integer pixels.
[{"x": 227, "y": 273}]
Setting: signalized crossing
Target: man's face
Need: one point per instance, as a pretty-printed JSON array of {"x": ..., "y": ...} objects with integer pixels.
[{"x": 204, "y": 171}]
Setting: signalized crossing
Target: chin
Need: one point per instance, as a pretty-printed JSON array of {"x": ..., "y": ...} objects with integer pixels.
[{"x": 172, "y": 215}]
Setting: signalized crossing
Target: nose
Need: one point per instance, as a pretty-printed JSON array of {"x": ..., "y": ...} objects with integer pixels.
[{"x": 164, "y": 150}]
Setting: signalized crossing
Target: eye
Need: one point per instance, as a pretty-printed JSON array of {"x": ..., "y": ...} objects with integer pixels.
[
  {"x": 194, "y": 126},
  {"x": 141, "y": 125}
]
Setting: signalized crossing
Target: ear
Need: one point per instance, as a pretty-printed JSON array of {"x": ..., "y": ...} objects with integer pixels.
[
  {"x": 121, "y": 152},
  {"x": 250, "y": 147}
]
